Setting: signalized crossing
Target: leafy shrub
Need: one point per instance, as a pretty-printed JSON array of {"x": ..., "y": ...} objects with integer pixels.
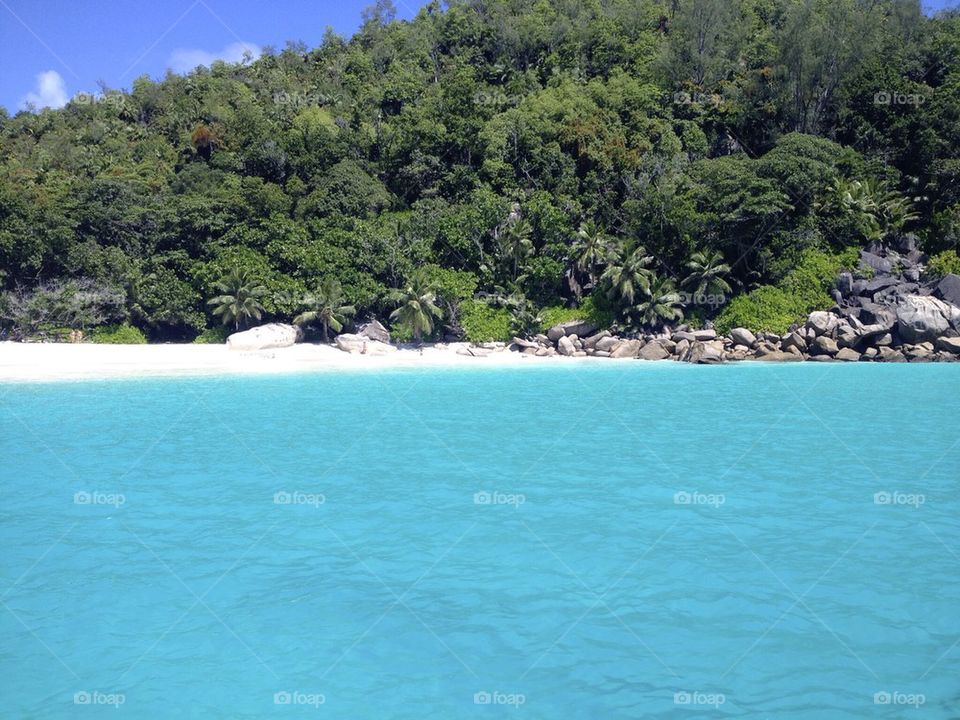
[
  {"x": 767, "y": 308},
  {"x": 212, "y": 336},
  {"x": 943, "y": 263},
  {"x": 400, "y": 333},
  {"x": 118, "y": 335},
  {"x": 483, "y": 323},
  {"x": 593, "y": 309},
  {"x": 805, "y": 288}
]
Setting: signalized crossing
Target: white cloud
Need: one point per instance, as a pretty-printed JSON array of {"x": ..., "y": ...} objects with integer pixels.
[
  {"x": 184, "y": 60},
  {"x": 50, "y": 91}
]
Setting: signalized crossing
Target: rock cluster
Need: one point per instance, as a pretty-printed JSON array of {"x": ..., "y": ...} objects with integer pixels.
[{"x": 888, "y": 318}]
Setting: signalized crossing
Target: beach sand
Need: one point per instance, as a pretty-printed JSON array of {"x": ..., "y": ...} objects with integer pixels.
[{"x": 64, "y": 361}]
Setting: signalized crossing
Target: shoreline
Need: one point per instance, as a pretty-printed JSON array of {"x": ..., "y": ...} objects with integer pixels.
[
  {"x": 65, "y": 362},
  {"x": 51, "y": 362}
]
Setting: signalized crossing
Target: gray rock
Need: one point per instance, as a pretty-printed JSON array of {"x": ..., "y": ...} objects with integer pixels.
[
  {"x": 780, "y": 357},
  {"x": 606, "y": 344},
  {"x": 793, "y": 340},
  {"x": 520, "y": 342},
  {"x": 580, "y": 328},
  {"x": 601, "y": 353},
  {"x": 949, "y": 344},
  {"x": 565, "y": 346},
  {"x": 921, "y": 318},
  {"x": 879, "y": 284},
  {"x": 870, "y": 353},
  {"x": 626, "y": 349},
  {"x": 683, "y": 335},
  {"x": 704, "y": 335},
  {"x": 822, "y": 322},
  {"x": 374, "y": 330},
  {"x": 265, "y": 337},
  {"x": 847, "y": 336},
  {"x": 651, "y": 351},
  {"x": 874, "y": 314},
  {"x": 824, "y": 345},
  {"x": 875, "y": 261},
  {"x": 918, "y": 353},
  {"x": 845, "y": 284},
  {"x": 948, "y": 289},
  {"x": 353, "y": 343},
  {"x": 704, "y": 353},
  {"x": 890, "y": 355},
  {"x": 591, "y": 342},
  {"x": 742, "y": 336},
  {"x": 848, "y": 355},
  {"x": 555, "y": 333}
]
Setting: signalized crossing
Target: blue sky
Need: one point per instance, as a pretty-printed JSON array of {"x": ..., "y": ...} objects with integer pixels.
[{"x": 52, "y": 49}]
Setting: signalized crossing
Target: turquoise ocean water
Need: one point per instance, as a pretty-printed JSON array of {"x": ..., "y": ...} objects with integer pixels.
[{"x": 566, "y": 541}]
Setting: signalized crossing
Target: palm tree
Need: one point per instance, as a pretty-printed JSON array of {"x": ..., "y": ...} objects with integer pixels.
[
  {"x": 707, "y": 271},
  {"x": 240, "y": 300},
  {"x": 628, "y": 275},
  {"x": 417, "y": 306},
  {"x": 514, "y": 245},
  {"x": 662, "y": 305},
  {"x": 590, "y": 249},
  {"x": 327, "y": 306}
]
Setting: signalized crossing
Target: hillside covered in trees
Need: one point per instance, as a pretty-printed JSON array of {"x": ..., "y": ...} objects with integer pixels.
[{"x": 495, "y": 164}]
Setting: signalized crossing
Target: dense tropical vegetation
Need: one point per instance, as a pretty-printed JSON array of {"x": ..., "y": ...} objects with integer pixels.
[{"x": 492, "y": 166}]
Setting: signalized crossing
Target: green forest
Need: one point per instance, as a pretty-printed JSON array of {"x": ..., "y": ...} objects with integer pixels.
[{"x": 489, "y": 168}]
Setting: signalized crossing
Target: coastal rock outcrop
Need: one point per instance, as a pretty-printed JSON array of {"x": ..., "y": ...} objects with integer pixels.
[
  {"x": 374, "y": 330},
  {"x": 265, "y": 337},
  {"x": 628, "y": 349},
  {"x": 359, "y": 344},
  {"x": 878, "y": 316},
  {"x": 742, "y": 336},
  {"x": 580, "y": 328},
  {"x": 923, "y": 318}
]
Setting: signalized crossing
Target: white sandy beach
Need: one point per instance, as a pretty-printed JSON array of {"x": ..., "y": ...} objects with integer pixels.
[{"x": 64, "y": 361}]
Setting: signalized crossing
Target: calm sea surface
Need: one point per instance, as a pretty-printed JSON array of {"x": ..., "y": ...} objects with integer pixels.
[{"x": 577, "y": 540}]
